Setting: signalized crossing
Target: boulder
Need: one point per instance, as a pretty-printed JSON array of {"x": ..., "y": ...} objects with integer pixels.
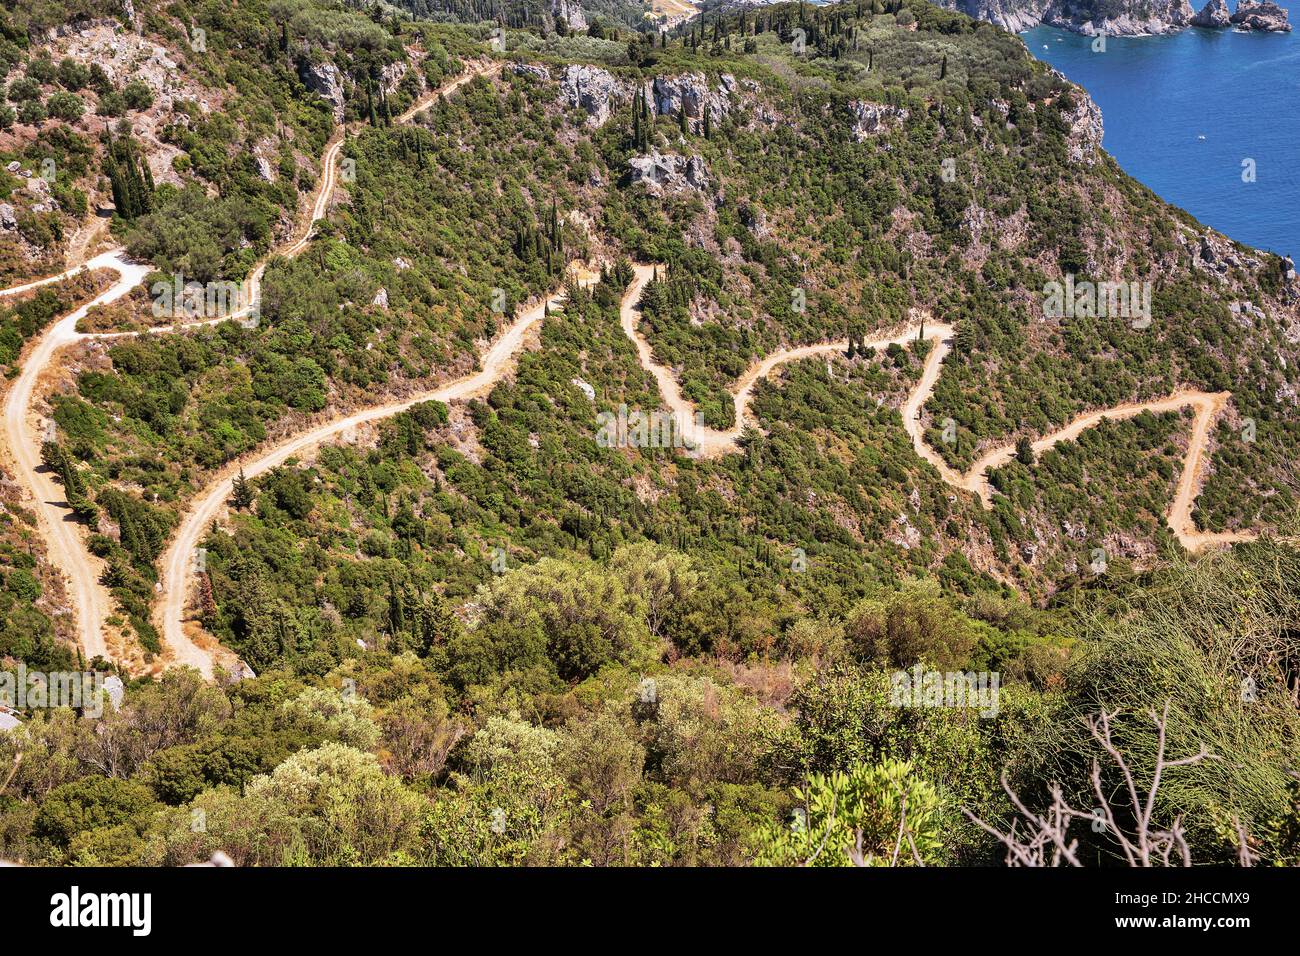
[
  {"x": 324, "y": 80},
  {"x": 7, "y": 218},
  {"x": 1214, "y": 15},
  {"x": 592, "y": 89},
  {"x": 668, "y": 172},
  {"x": 1263, "y": 15}
]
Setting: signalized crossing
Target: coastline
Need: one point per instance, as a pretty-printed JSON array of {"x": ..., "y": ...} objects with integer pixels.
[{"x": 1173, "y": 118}]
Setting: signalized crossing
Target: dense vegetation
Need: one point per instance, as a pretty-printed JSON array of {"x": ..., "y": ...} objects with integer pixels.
[{"x": 483, "y": 638}]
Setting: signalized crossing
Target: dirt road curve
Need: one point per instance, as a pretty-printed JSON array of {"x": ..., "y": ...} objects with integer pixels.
[
  {"x": 711, "y": 443},
  {"x": 179, "y": 559},
  {"x": 92, "y": 602},
  {"x": 23, "y": 436}
]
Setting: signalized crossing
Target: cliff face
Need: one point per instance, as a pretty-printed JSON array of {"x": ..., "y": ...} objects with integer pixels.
[
  {"x": 1014, "y": 16},
  {"x": 1264, "y": 15},
  {"x": 1089, "y": 17},
  {"x": 1214, "y": 14}
]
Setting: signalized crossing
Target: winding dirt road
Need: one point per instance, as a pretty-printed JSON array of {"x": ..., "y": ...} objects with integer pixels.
[
  {"x": 23, "y": 436},
  {"x": 711, "y": 443},
  {"x": 499, "y": 360},
  {"x": 178, "y": 562}
]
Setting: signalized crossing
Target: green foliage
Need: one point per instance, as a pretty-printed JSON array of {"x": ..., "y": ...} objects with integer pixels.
[{"x": 881, "y": 815}]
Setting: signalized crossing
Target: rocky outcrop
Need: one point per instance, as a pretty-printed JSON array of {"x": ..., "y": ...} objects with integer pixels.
[
  {"x": 591, "y": 89},
  {"x": 8, "y": 220},
  {"x": 668, "y": 172},
  {"x": 1014, "y": 16},
  {"x": 1085, "y": 123},
  {"x": 534, "y": 70},
  {"x": 570, "y": 11},
  {"x": 80, "y": 25},
  {"x": 870, "y": 119},
  {"x": 1265, "y": 15},
  {"x": 324, "y": 80},
  {"x": 1133, "y": 17},
  {"x": 1214, "y": 14},
  {"x": 390, "y": 76},
  {"x": 690, "y": 93},
  {"x": 754, "y": 218},
  {"x": 1219, "y": 255}
]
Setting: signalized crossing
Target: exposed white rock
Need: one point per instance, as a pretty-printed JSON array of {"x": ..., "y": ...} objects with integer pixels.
[
  {"x": 390, "y": 76},
  {"x": 1261, "y": 15},
  {"x": 1214, "y": 14},
  {"x": 690, "y": 92},
  {"x": 871, "y": 119},
  {"x": 570, "y": 11},
  {"x": 324, "y": 80},
  {"x": 669, "y": 172},
  {"x": 530, "y": 69},
  {"x": 591, "y": 89}
]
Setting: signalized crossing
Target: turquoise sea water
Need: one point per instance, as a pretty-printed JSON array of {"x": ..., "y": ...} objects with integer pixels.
[{"x": 1160, "y": 95}]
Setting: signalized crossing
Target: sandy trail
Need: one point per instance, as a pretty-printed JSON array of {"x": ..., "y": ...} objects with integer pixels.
[
  {"x": 179, "y": 559},
  {"x": 497, "y": 361},
  {"x": 711, "y": 443},
  {"x": 23, "y": 435}
]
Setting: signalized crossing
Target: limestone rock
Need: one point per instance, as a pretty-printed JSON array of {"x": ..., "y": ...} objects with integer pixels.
[
  {"x": 1214, "y": 14},
  {"x": 570, "y": 11},
  {"x": 668, "y": 172},
  {"x": 1263, "y": 15},
  {"x": 1130, "y": 17},
  {"x": 871, "y": 119},
  {"x": 390, "y": 76},
  {"x": 691, "y": 93},
  {"x": 530, "y": 69},
  {"x": 324, "y": 80},
  {"x": 592, "y": 89}
]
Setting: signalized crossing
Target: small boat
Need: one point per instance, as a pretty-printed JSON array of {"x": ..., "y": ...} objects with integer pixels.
[{"x": 1202, "y": 136}]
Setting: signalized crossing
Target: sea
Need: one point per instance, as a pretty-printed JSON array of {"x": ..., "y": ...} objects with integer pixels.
[{"x": 1207, "y": 118}]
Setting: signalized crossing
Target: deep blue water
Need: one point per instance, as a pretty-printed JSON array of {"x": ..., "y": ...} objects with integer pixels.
[{"x": 1159, "y": 95}]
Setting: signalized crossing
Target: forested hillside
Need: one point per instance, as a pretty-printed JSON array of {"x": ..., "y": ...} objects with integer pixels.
[{"x": 473, "y": 632}]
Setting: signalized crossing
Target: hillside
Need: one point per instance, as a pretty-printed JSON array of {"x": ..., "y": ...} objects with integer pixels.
[{"x": 833, "y": 232}]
